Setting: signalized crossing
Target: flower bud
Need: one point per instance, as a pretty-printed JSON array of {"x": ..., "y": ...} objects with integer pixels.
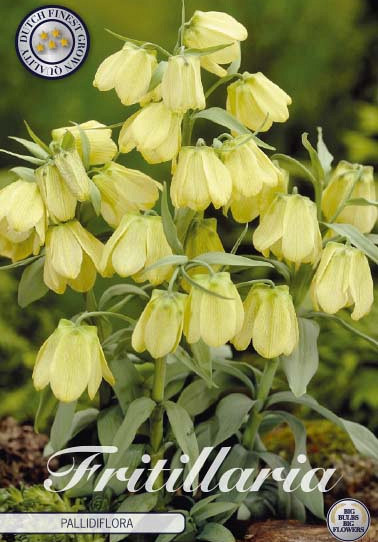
[
  {"x": 124, "y": 190},
  {"x": 211, "y": 28},
  {"x": 257, "y": 102},
  {"x": 342, "y": 279},
  {"x": 290, "y": 230},
  {"x": 351, "y": 181},
  {"x": 160, "y": 144},
  {"x": 72, "y": 257},
  {"x": 247, "y": 209},
  {"x": 129, "y": 71},
  {"x": 270, "y": 322},
  {"x": 160, "y": 325},
  {"x": 73, "y": 173},
  {"x": 249, "y": 167},
  {"x": 71, "y": 360},
  {"x": 202, "y": 237},
  {"x": 209, "y": 316},
  {"x": 200, "y": 179},
  {"x": 101, "y": 146},
  {"x": 136, "y": 244},
  {"x": 182, "y": 85},
  {"x": 59, "y": 201}
]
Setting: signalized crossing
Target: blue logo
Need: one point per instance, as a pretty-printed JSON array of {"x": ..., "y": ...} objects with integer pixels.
[{"x": 52, "y": 42}]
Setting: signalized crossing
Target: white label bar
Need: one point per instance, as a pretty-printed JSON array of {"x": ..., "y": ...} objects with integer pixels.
[{"x": 124, "y": 523}]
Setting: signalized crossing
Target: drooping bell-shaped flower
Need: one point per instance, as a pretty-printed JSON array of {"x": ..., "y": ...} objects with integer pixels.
[
  {"x": 159, "y": 328},
  {"x": 216, "y": 318},
  {"x": 249, "y": 167},
  {"x": 155, "y": 131},
  {"x": 73, "y": 255},
  {"x": 128, "y": 71},
  {"x": 182, "y": 85},
  {"x": 247, "y": 209},
  {"x": 343, "y": 279},
  {"x": 202, "y": 237},
  {"x": 137, "y": 243},
  {"x": 72, "y": 170},
  {"x": 23, "y": 220},
  {"x": 351, "y": 181},
  {"x": 213, "y": 28},
  {"x": 200, "y": 178},
  {"x": 71, "y": 360},
  {"x": 290, "y": 230},
  {"x": 257, "y": 102},
  {"x": 124, "y": 190},
  {"x": 102, "y": 148},
  {"x": 59, "y": 200},
  {"x": 270, "y": 322}
]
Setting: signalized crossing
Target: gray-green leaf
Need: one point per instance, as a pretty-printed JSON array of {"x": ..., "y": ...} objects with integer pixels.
[
  {"x": 303, "y": 362},
  {"x": 31, "y": 286},
  {"x": 138, "y": 412}
]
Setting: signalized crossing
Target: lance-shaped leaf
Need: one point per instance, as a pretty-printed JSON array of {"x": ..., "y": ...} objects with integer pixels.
[
  {"x": 324, "y": 155},
  {"x": 21, "y": 263},
  {"x": 35, "y": 149},
  {"x": 223, "y": 258},
  {"x": 206, "y": 51},
  {"x": 25, "y": 173},
  {"x": 315, "y": 162},
  {"x": 31, "y": 286},
  {"x": 31, "y": 159},
  {"x": 363, "y": 202},
  {"x": 137, "y": 413},
  {"x": 301, "y": 365},
  {"x": 157, "y": 75},
  {"x": 183, "y": 429},
  {"x": 224, "y": 118},
  {"x": 169, "y": 225}
]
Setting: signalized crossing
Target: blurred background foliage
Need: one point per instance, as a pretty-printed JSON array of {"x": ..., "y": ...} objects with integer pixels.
[{"x": 322, "y": 53}]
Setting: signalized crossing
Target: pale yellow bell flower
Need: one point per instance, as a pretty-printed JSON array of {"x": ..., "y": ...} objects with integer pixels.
[
  {"x": 18, "y": 246},
  {"x": 270, "y": 322},
  {"x": 136, "y": 244},
  {"x": 200, "y": 178},
  {"x": 249, "y": 167},
  {"x": 213, "y": 319},
  {"x": 181, "y": 86},
  {"x": 350, "y": 181},
  {"x": 57, "y": 197},
  {"x": 247, "y": 209},
  {"x": 155, "y": 131},
  {"x": 124, "y": 190},
  {"x": 257, "y": 102},
  {"x": 73, "y": 255},
  {"x": 212, "y": 28},
  {"x": 22, "y": 208},
  {"x": 159, "y": 328},
  {"x": 290, "y": 230},
  {"x": 71, "y": 360},
  {"x": 202, "y": 237},
  {"x": 102, "y": 148},
  {"x": 73, "y": 172},
  {"x": 128, "y": 71},
  {"x": 343, "y": 279}
]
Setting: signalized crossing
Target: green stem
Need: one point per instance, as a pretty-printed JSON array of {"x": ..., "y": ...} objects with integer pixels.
[
  {"x": 87, "y": 315},
  {"x": 264, "y": 388},
  {"x": 187, "y": 129},
  {"x": 157, "y": 418},
  {"x": 220, "y": 82},
  {"x": 344, "y": 324}
]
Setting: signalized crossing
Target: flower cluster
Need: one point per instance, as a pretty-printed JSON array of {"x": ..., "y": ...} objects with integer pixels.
[{"x": 45, "y": 212}]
